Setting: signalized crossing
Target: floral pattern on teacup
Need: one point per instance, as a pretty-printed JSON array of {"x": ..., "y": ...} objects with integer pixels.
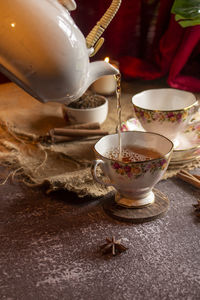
[
  {"x": 124, "y": 127},
  {"x": 131, "y": 125},
  {"x": 139, "y": 169},
  {"x": 169, "y": 116},
  {"x": 195, "y": 129}
]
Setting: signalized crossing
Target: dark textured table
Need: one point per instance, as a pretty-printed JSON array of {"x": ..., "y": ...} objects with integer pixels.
[
  {"x": 49, "y": 245},
  {"x": 50, "y": 248}
]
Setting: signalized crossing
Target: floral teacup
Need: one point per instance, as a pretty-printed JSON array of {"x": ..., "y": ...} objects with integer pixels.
[
  {"x": 133, "y": 181},
  {"x": 165, "y": 111}
]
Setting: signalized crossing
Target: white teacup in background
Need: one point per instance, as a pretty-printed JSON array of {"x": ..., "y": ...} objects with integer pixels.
[
  {"x": 165, "y": 111},
  {"x": 133, "y": 180}
]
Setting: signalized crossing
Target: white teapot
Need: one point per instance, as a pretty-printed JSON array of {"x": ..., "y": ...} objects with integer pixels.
[{"x": 43, "y": 51}]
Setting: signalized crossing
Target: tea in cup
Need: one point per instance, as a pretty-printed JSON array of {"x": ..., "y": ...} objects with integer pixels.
[
  {"x": 133, "y": 171},
  {"x": 165, "y": 111}
]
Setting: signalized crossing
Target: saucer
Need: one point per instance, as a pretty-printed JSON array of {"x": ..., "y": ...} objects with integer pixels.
[
  {"x": 188, "y": 148},
  {"x": 138, "y": 214}
]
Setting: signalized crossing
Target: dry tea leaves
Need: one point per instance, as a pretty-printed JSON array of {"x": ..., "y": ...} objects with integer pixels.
[{"x": 87, "y": 101}]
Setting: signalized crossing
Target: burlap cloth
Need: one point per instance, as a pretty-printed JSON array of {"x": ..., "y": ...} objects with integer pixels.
[{"x": 59, "y": 166}]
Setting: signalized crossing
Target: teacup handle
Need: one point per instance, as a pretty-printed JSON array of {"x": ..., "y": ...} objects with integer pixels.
[
  {"x": 94, "y": 166},
  {"x": 196, "y": 109}
]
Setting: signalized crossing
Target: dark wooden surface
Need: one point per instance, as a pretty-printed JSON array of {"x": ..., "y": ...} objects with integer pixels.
[
  {"x": 139, "y": 214},
  {"x": 50, "y": 247}
]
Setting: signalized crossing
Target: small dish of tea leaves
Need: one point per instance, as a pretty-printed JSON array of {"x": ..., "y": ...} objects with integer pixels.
[{"x": 87, "y": 109}]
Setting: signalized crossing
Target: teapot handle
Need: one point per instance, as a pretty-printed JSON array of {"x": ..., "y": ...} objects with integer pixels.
[
  {"x": 69, "y": 4},
  {"x": 93, "y": 39}
]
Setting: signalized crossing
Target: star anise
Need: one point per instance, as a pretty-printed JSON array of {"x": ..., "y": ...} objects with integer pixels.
[
  {"x": 197, "y": 208},
  {"x": 113, "y": 246}
]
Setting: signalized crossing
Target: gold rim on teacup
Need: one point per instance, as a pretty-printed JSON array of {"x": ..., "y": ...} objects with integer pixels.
[
  {"x": 196, "y": 103},
  {"x": 141, "y": 161}
]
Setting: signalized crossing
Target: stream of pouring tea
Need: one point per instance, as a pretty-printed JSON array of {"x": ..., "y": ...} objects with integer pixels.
[{"x": 118, "y": 94}]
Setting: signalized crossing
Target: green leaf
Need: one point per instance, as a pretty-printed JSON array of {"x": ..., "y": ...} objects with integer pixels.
[
  {"x": 189, "y": 23},
  {"x": 187, "y": 12}
]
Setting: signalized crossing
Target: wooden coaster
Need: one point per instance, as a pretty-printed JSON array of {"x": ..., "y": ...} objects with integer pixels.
[{"x": 139, "y": 215}]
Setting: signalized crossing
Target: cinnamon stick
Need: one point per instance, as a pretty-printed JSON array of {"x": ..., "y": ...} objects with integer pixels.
[
  {"x": 189, "y": 178},
  {"x": 62, "y": 139},
  {"x": 189, "y": 174},
  {"x": 77, "y": 132},
  {"x": 197, "y": 176},
  {"x": 94, "y": 125}
]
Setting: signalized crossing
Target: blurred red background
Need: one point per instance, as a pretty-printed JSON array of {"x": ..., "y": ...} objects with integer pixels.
[{"x": 147, "y": 41}]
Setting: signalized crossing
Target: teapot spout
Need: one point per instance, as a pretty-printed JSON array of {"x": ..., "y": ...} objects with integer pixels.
[{"x": 99, "y": 69}]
